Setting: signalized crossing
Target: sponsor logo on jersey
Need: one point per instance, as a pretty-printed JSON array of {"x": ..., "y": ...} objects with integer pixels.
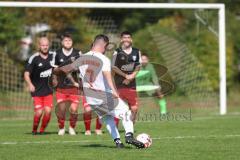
[
  {"x": 127, "y": 67},
  {"x": 46, "y": 73},
  {"x": 134, "y": 58}
]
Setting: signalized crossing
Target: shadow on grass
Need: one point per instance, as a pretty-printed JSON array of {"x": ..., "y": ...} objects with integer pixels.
[{"x": 103, "y": 146}]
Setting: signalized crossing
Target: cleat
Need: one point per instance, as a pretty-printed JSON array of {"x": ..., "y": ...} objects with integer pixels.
[
  {"x": 88, "y": 133},
  {"x": 98, "y": 132},
  {"x": 71, "y": 131},
  {"x": 131, "y": 140},
  {"x": 118, "y": 143},
  {"x": 61, "y": 132}
]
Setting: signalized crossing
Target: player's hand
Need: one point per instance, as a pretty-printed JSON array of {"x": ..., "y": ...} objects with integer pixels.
[
  {"x": 54, "y": 80},
  {"x": 115, "y": 94},
  {"x": 126, "y": 81},
  {"x": 75, "y": 84},
  {"x": 31, "y": 87},
  {"x": 130, "y": 76}
]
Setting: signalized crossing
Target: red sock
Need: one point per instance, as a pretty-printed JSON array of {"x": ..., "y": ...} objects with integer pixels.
[
  {"x": 61, "y": 123},
  {"x": 116, "y": 121},
  {"x": 46, "y": 118},
  {"x": 87, "y": 120},
  {"x": 98, "y": 124},
  {"x": 36, "y": 120},
  {"x": 73, "y": 120}
]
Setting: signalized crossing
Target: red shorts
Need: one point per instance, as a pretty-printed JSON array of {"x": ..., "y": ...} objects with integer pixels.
[
  {"x": 63, "y": 95},
  {"x": 129, "y": 95},
  {"x": 42, "y": 101}
]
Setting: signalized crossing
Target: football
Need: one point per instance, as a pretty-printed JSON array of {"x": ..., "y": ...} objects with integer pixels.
[{"x": 145, "y": 138}]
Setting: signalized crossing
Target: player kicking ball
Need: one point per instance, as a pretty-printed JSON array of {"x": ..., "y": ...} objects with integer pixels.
[{"x": 100, "y": 92}]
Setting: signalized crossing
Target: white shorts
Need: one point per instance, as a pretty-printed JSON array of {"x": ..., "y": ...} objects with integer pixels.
[{"x": 118, "y": 108}]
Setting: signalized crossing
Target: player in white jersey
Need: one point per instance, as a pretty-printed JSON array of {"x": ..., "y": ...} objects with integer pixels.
[{"x": 100, "y": 92}]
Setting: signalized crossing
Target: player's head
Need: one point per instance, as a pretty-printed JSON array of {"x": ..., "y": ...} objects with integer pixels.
[
  {"x": 100, "y": 43},
  {"x": 144, "y": 58},
  {"x": 126, "y": 39},
  {"x": 67, "y": 41},
  {"x": 43, "y": 44}
]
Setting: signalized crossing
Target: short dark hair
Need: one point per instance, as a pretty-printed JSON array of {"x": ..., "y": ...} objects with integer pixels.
[
  {"x": 144, "y": 54},
  {"x": 101, "y": 37},
  {"x": 126, "y": 33},
  {"x": 66, "y": 35}
]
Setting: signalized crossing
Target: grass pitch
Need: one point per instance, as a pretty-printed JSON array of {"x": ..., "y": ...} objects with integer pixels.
[{"x": 211, "y": 137}]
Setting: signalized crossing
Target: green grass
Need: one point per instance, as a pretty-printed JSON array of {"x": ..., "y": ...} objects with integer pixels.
[{"x": 212, "y": 137}]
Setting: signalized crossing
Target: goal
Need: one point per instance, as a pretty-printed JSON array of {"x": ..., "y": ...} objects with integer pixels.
[{"x": 192, "y": 79}]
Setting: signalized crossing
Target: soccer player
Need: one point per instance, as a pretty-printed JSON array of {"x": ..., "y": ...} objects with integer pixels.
[
  {"x": 67, "y": 89},
  {"x": 147, "y": 76},
  {"x": 125, "y": 65},
  {"x": 101, "y": 95},
  {"x": 37, "y": 71}
]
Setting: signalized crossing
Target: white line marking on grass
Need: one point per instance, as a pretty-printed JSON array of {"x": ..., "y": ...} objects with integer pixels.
[{"x": 96, "y": 141}]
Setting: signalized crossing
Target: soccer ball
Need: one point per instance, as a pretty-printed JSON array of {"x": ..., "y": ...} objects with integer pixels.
[{"x": 145, "y": 138}]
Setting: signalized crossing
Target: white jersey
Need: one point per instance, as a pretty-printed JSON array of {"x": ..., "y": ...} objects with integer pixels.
[{"x": 95, "y": 85}]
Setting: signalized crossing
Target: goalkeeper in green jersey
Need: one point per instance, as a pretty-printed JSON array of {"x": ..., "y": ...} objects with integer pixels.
[{"x": 147, "y": 82}]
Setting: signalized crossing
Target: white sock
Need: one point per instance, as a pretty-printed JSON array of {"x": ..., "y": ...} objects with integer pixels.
[
  {"x": 111, "y": 126},
  {"x": 127, "y": 122}
]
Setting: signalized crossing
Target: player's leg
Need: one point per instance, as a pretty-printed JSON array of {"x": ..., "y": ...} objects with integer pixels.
[
  {"x": 122, "y": 112},
  {"x": 163, "y": 105},
  {"x": 130, "y": 96},
  {"x": 98, "y": 130},
  {"x": 103, "y": 113},
  {"x": 48, "y": 104},
  {"x": 38, "y": 110},
  {"x": 73, "y": 113},
  {"x": 87, "y": 116},
  {"x": 61, "y": 112}
]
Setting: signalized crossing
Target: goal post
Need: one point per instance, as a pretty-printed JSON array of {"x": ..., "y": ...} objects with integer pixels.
[{"x": 221, "y": 26}]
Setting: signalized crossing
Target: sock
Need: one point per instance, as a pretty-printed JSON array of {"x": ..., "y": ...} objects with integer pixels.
[
  {"x": 163, "y": 105},
  {"x": 116, "y": 121},
  {"x": 61, "y": 123},
  {"x": 111, "y": 127},
  {"x": 73, "y": 120},
  {"x": 45, "y": 120},
  {"x": 127, "y": 122},
  {"x": 98, "y": 124},
  {"x": 36, "y": 120},
  {"x": 87, "y": 120}
]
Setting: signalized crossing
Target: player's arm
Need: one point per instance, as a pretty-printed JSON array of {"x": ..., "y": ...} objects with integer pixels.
[
  {"x": 108, "y": 76},
  {"x": 106, "y": 70},
  {"x": 67, "y": 69},
  {"x": 154, "y": 79},
  {"x": 27, "y": 72},
  {"x": 70, "y": 77},
  {"x": 115, "y": 69},
  {"x": 27, "y": 78}
]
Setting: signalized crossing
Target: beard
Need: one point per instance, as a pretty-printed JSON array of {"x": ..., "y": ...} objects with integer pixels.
[
  {"x": 44, "y": 52},
  {"x": 126, "y": 45},
  {"x": 68, "y": 48}
]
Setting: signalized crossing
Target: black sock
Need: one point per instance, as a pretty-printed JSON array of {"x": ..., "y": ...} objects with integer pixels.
[{"x": 129, "y": 134}]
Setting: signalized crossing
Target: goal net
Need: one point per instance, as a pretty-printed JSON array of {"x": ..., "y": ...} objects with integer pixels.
[{"x": 182, "y": 45}]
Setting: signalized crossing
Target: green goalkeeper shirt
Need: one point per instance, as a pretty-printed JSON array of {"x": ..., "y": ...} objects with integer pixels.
[{"x": 147, "y": 77}]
